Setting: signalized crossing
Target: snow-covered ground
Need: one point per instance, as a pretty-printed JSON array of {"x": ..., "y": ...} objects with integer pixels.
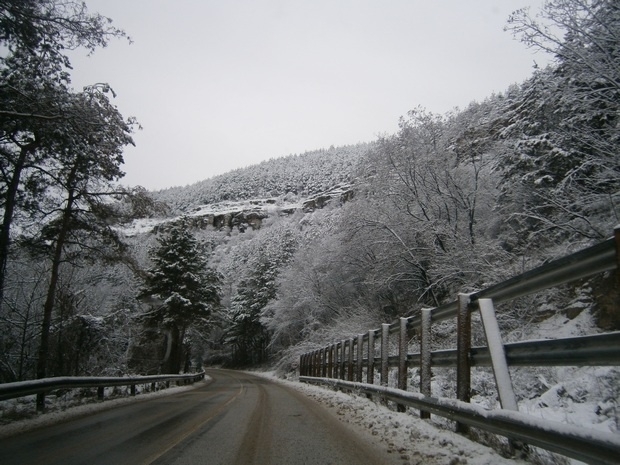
[{"x": 588, "y": 397}]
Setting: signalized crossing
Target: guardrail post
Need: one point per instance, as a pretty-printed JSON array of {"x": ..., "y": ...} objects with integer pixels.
[
  {"x": 330, "y": 361},
  {"x": 323, "y": 362},
  {"x": 617, "y": 240},
  {"x": 385, "y": 353},
  {"x": 425, "y": 357},
  {"x": 402, "y": 359},
  {"x": 463, "y": 353},
  {"x": 360, "y": 353},
  {"x": 370, "y": 371},
  {"x": 337, "y": 360},
  {"x": 132, "y": 390},
  {"x": 317, "y": 361},
  {"x": 345, "y": 364},
  {"x": 337, "y": 367},
  {"x": 350, "y": 363},
  {"x": 341, "y": 371},
  {"x": 100, "y": 392},
  {"x": 41, "y": 402},
  {"x": 498, "y": 355}
]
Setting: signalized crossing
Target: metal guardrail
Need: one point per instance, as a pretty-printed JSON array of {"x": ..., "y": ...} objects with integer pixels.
[
  {"x": 571, "y": 440},
  {"x": 45, "y": 385},
  {"x": 346, "y": 360},
  {"x": 593, "y": 260}
]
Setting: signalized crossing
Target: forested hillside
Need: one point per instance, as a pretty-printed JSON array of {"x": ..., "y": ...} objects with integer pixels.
[
  {"x": 450, "y": 203},
  {"x": 293, "y": 176}
]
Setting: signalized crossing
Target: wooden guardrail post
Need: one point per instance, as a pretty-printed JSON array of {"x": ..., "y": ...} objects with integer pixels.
[
  {"x": 425, "y": 357},
  {"x": 360, "y": 354},
  {"x": 370, "y": 371},
  {"x": 385, "y": 353},
  {"x": 463, "y": 349}
]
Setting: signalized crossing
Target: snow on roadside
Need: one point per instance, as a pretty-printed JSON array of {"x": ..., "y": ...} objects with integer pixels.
[
  {"x": 65, "y": 411},
  {"x": 416, "y": 441},
  {"x": 588, "y": 397}
]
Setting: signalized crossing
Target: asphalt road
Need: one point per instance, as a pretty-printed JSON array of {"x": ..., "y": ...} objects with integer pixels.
[{"x": 236, "y": 419}]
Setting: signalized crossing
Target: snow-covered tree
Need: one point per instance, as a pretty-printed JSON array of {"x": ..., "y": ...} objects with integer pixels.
[
  {"x": 184, "y": 289},
  {"x": 38, "y": 107},
  {"x": 255, "y": 288},
  {"x": 565, "y": 126}
]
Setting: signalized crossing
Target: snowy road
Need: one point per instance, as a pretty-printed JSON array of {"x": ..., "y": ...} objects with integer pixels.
[{"x": 237, "y": 419}]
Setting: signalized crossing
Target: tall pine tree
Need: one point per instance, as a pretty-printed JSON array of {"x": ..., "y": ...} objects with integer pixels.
[{"x": 185, "y": 289}]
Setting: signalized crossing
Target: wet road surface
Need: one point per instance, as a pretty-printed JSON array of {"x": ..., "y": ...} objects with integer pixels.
[{"x": 236, "y": 419}]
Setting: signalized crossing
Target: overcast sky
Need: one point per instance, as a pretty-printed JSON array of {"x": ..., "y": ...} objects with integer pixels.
[{"x": 223, "y": 84}]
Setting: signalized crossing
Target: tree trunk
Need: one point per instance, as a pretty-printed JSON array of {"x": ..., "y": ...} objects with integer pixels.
[
  {"x": 173, "y": 364},
  {"x": 51, "y": 290},
  {"x": 9, "y": 209}
]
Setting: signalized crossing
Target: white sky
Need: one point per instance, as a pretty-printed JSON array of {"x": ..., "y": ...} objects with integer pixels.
[{"x": 223, "y": 84}]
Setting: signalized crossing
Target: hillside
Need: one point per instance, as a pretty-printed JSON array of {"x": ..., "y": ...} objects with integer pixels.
[{"x": 294, "y": 176}]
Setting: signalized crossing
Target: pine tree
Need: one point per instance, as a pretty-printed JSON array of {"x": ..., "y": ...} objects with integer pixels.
[
  {"x": 185, "y": 289},
  {"x": 246, "y": 332}
]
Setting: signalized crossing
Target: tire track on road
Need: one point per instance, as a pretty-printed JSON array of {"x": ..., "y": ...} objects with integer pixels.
[
  {"x": 192, "y": 427},
  {"x": 257, "y": 439}
]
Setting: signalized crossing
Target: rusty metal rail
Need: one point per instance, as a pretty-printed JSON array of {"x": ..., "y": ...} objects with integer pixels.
[
  {"x": 46, "y": 385},
  {"x": 346, "y": 360}
]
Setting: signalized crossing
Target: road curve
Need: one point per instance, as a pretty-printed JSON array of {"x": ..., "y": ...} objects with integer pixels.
[{"x": 237, "y": 419}]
